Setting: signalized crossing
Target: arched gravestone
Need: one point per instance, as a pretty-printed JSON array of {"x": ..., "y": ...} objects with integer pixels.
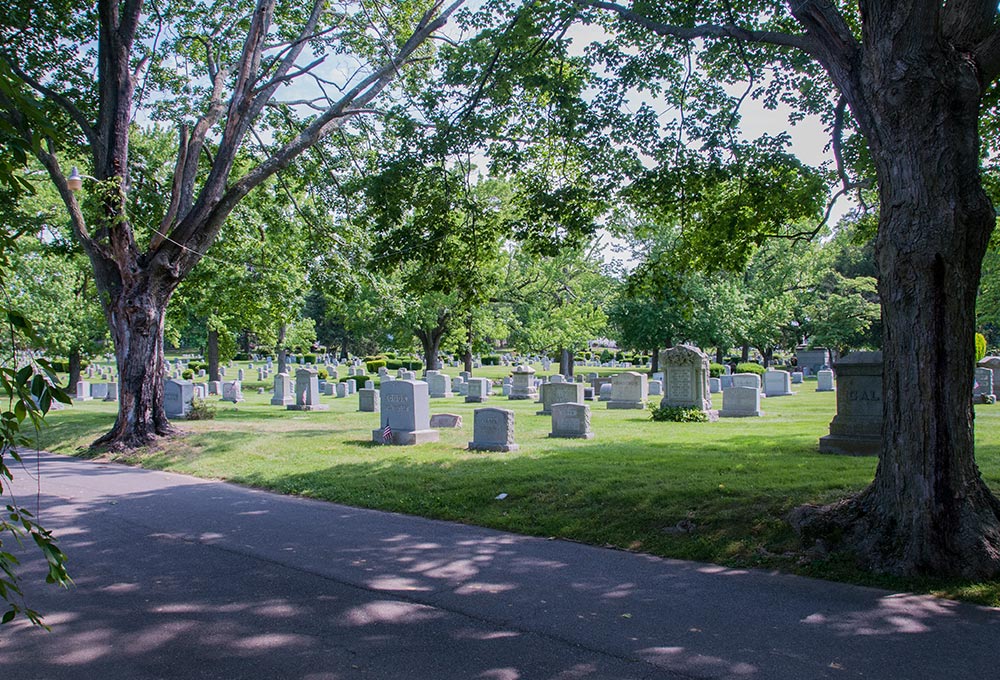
[
  {"x": 685, "y": 370},
  {"x": 857, "y": 427}
]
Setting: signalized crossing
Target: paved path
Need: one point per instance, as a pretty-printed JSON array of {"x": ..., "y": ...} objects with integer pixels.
[{"x": 182, "y": 578}]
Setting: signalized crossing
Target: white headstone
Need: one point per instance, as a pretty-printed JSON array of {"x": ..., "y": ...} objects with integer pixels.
[
  {"x": 232, "y": 390},
  {"x": 559, "y": 393},
  {"x": 629, "y": 390},
  {"x": 177, "y": 396},
  {"x": 740, "y": 402},
  {"x": 406, "y": 410},
  {"x": 283, "y": 395},
  {"x": 777, "y": 383},
  {"x": 824, "y": 381}
]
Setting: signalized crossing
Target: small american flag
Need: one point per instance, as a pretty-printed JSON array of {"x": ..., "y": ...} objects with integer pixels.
[{"x": 386, "y": 434}]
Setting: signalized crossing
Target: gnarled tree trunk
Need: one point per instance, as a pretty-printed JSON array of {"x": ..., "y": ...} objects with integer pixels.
[
  {"x": 212, "y": 354},
  {"x": 135, "y": 310},
  {"x": 928, "y": 509}
]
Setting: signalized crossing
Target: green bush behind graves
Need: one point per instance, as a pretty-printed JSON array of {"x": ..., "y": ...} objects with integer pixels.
[
  {"x": 187, "y": 374},
  {"x": 980, "y": 346},
  {"x": 373, "y": 365},
  {"x": 677, "y": 414},
  {"x": 750, "y": 367},
  {"x": 715, "y": 370}
]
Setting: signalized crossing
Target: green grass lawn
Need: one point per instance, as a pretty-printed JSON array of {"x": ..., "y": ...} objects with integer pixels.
[{"x": 729, "y": 483}]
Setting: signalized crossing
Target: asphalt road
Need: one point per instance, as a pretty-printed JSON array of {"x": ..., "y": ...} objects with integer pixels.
[{"x": 177, "y": 577}]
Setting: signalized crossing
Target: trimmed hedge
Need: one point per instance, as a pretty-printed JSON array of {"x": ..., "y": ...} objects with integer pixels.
[
  {"x": 715, "y": 370},
  {"x": 750, "y": 367},
  {"x": 359, "y": 380},
  {"x": 491, "y": 360},
  {"x": 408, "y": 364},
  {"x": 375, "y": 364}
]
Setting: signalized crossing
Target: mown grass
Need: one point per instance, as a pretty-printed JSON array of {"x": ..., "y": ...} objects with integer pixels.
[{"x": 716, "y": 492}]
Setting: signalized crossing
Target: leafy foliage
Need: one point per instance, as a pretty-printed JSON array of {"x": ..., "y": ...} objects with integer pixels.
[{"x": 677, "y": 414}]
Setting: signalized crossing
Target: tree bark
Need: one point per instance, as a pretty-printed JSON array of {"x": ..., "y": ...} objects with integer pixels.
[
  {"x": 654, "y": 361},
  {"x": 719, "y": 355},
  {"x": 282, "y": 350},
  {"x": 73, "y": 369},
  {"x": 430, "y": 342},
  {"x": 135, "y": 310},
  {"x": 565, "y": 362},
  {"x": 745, "y": 355},
  {"x": 928, "y": 509},
  {"x": 212, "y": 354}
]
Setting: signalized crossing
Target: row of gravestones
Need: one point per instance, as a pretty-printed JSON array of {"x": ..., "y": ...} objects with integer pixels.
[{"x": 405, "y": 419}]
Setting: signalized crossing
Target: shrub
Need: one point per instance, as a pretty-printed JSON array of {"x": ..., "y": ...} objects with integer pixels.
[
  {"x": 408, "y": 364},
  {"x": 359, "y": 380},
  {"x": 321, "y": 374},
  {"x": 309, "y": 358},
  {"x": 715, "y": 370},
  {"x": 187, "y": 374},
  {"x": 241, "y": 356},
  {"x": 980, "y": 346},
  {"x": 491, "y": 360},
  {"x": 677, "y": 414},
  {"x": 375, "y": 364},
  {"x": 198, "y": 366},
  {"x": 750, "y": 367},
  {"x": 201, "y": 410},
  {"x": 606, "y": 356},
  {"x": 320, "y": 349}
]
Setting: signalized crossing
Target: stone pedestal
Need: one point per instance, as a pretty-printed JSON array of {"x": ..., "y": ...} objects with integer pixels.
[
  {"x": 777, "y": 384},
  {"x": 824, "y": 381},
  {"x": 523, "y": 384},
  {"x": 177, "y": 397},
  {"x": 856, "y": 430},
  {"x": 307, "y": 392}
]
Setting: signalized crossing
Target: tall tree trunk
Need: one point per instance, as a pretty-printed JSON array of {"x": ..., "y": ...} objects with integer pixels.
[
  {"x": 343, "y": 347},
  {"x": 135, "y": 311},
  {"x": 430, "y": 342},
  {"x": 467, "y": 358},
  {"x": 212, "y": 354},
  {"x": 565, "y": 362},
  {"x": 745, "y": 355},
  {"x": 74, "y": 370},
  {"x": 654, "y": 361},
  {"x": 928, "y": 509},
  {"x": 282, "y": 350},
  {"x": 720, "y": 354}
]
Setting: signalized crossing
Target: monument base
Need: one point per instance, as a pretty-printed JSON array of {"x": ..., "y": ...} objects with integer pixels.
[
  {"x": 570, "y": 435},
  {"x": 739, "y": 414},
  {"x": 476, "y": 400},
  {"x": 842, "y": 445},
  {"x": 407, "y": 438},
  {"x": 503, "y": 448},
  {"x": 308, "y": 407},
  {"x": 282, "y": 402},
  {"x": 778, "y": 394},
  {"x": 627, "y": 405},
  {"x": 826, "y": 390}
]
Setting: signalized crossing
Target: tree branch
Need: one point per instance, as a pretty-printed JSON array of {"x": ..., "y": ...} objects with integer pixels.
[
  {"x": 71, "y": 109},
  {"x": 798, "y": 41},
  {"x": 987, "y": 55}
]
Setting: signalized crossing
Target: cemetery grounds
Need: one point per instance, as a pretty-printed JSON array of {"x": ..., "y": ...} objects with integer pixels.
[{"x": 713, "y": 492}]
